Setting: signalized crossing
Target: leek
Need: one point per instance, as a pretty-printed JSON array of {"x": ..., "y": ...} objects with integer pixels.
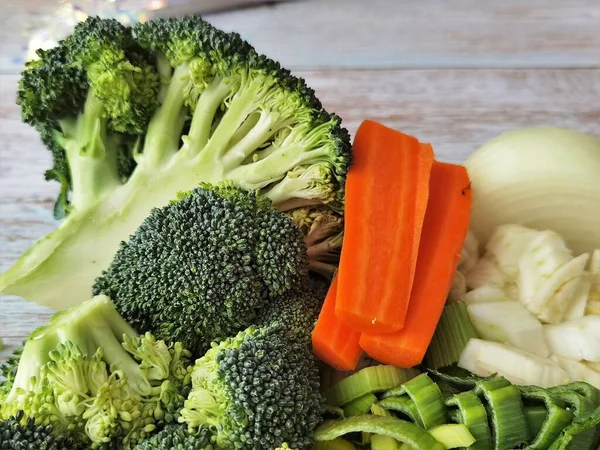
[
  {"x": 471, "y": 412},
  {"x": 361, "y": 405}
]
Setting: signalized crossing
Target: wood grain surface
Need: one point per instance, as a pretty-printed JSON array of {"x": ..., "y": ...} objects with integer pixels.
[{"x": 454, "y": 73}]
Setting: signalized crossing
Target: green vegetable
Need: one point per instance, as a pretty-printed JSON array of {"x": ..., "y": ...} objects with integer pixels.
[
  {"x": 134, "y": 116},
  {"x": 203, "y": 267},
  {"x": 379, "y": 441},
  {"x": 403, "y": 405},
  {"x": 335, "y": 444},
  {"x": 585, "y": 425},
  {"x": 369, "y": 380},
  {"x": 177, "y": 437},
  {"x": 361, "y": 405},
  {"x": 427, "y": 398},
  {"x": 451, "y": 336},
  {"x": 256, "y": 390},
  {"x": 87, "y": 372},
  {"x": 17, "y": 433},
  {"x": 453, "y": 435},
  {"x": 398, "y": 429},
  {"x": 505, "y": 409},
  {"x": 472, "y": 413},
  {"x": 557, "y": 417},
  {"x": 536, "y": 416}
]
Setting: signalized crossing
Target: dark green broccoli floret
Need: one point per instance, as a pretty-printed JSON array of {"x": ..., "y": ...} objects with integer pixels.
[
  {"x": 297, "y": 310},
  {"x": 256, "y": 390},
  {"x": 89, "y": 374},
  {"x": 202, "y": 268},
  {"x": 17, "y": 433},
  {"x": 225, "y": 113},
  {"x": 177, "y": 437}
]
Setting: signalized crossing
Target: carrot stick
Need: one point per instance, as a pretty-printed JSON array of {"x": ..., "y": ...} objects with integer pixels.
[
  {"x": 444, "y": 233},
  {"x": 333, "y": 342},
  {"x": 386, "y": 197}
]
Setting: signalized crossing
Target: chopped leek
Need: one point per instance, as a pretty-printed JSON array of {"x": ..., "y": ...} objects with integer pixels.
[
  {"x": 453, "y": 435},
  {"x": 380, "y": 441},
  {"x": 556, "y": 419},
  {"x": 472, "y": 413},
  {"x": 367, "y": 381},
  {"x": 507, "y": 415},
  {"x": 361, "y": 405},
  {"x": 403, "y": 405},
  {"x": 400, "y": 430},
  {"x": 335, "y": 444},
  {"x": 518, "y": 366},
  {"x": 453, "y": 331},
  {"x": 577, "y": 339},
  {"x": 509, "y": 322},
  {"x": 427, "y": 398},
  {"x": 536, "y": 416}
]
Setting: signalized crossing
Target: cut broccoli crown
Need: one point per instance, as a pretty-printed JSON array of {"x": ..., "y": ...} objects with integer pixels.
[
  {"x": 89, "y": 374},
  {"x": 128, "y": 135},
  {"x": 17, "y": 433},
  {"x": 177, "y": 437},
  {"x": 297, "y": 310},
  {"x": 202, "y": 267},
  {"x": 257, "y": 390}
]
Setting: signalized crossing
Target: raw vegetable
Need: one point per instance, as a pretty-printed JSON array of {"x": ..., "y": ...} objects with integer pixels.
[
  {"x": 415, "y": 436},
  {"x": 580, "y": 298},
  {"x": 361, "y": 405},
  {"x": 404, "y": 405},
  {"x": 379, "y": 441},
  {"x": 549, "y": 276},
  {"x": 469, "y": 254},
  {"x": 367, "y": 381},
  {"x": 333, "y": 341},
  {"x": 451, "y": 336},
  {"x": 509, "y": 322},
  {"x": 577, "y": 339},
  {"x": 387, "y": 186},
  {"x": 544, "y": 178},
  {"x": 486, "y": 293},
  {"x": 135, "y": 115},
  {"x": 485, "y": 273},
  {"x": 335, "y": 444},
  {"x": 444, "y": 231},
  {"x": 453, "y": 435},
  {"x": 473, "y": 415},
  {"x": 518, "y": 366},
  {"x": 458, "y": 290},
  {"x": 506, "y": 246},
  {"x": 593, "y": 303},
  {"x": 577, "y": 370}
]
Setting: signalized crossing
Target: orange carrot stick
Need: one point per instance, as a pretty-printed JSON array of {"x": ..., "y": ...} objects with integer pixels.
[
  {"x": 386, "y": 197},
  {"x": 444, "y": 233},
  {"x": 333, "y": 342}
]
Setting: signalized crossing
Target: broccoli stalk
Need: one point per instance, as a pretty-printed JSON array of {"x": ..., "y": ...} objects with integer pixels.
[
  {"x": 225, "y": 113},
  {"x": 87, "y": 372}
]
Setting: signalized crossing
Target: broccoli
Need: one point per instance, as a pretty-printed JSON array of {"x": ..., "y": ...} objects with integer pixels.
[
  {"x": 203, "y": 267},
  {"x": 177, "y": 437},
  {"x": 256, "y": 390},
  {"x": 87, "y": 373},
  {"x": 297, "y": 310},
  {"x": 135, "y": 115},
  {"x": 17, "y": 433}
]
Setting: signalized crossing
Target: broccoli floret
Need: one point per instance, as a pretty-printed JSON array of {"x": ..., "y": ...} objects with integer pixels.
[
  {"x": 17, "y": 433},
  {"x": 201, "y": 268},
  {"x": 89, "y": 374},
  {"x": 225, "y": 113},
  {"x": 256, "y": 390},
  {"x": 177, "y": 437},
  {"x": 324, "y": 234},
  {"x": 297, "y": 310}
]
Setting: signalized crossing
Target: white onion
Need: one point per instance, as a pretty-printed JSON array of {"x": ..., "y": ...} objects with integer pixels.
[{"x": 543, "y": 178}]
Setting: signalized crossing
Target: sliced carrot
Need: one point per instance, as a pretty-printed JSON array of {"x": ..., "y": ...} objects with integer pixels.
[
  {"x": 334, "y": 342},
  {"x": 444, "y": 233},
  {"x": 386, "y": 197}
]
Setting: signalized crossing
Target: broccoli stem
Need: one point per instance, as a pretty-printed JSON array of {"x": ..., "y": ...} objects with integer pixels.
[
  {"x": 91, "y": 154},
  {"x": 164, "y": 129}
]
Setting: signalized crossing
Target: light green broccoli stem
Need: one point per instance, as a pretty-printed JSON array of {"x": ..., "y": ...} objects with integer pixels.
[{"x": 92, "y": 155}]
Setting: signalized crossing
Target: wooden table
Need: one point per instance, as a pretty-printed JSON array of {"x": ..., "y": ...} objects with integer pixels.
[{"x": 452, "y": 72}]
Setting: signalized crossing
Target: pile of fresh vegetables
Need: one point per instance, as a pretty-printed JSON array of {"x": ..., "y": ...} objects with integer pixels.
[{"x": 231, "y": 273}]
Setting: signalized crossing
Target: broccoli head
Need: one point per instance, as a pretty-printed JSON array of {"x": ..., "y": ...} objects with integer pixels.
[
  {"x": 256, "y": 390},
  {"x": 135, "y": 115},
  {"x": 201, "y": 268},
  {"x": 297, "y": 310},
  {"x": 18, "y": 433},
  {"x": 177, "y": 437},
  {"x": 87, "y": 373}
]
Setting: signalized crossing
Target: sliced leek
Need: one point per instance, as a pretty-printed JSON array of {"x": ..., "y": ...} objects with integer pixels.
[
  {"x": 380, "y": 441},
  {"x": 402, "y": 405},
  {"x": 361, "y": 405},
  {"x": 427, "y": 398},
  {"x": 453, "y": 435},
  {"x": 451, "y": 336},
  {"x": 335, "y": 444},
  {"x": 471, "y": 412}
]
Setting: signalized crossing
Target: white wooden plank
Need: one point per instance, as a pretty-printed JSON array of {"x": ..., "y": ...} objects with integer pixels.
[
  {"x": 455, "y": 110},
  {"x": 331, "y": 34}
]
